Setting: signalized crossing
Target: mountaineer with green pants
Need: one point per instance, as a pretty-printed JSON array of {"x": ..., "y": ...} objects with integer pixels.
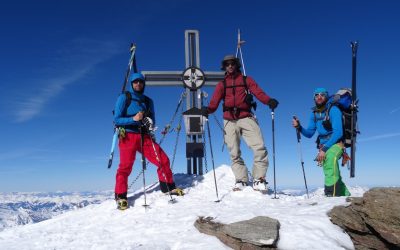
[{"x": 329, "y": 142}]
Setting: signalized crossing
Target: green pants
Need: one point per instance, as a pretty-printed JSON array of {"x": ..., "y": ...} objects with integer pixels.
[{"x": 334, "y": 185}]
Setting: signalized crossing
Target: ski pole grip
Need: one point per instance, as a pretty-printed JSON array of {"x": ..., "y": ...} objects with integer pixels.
[{"x": 297, "y": 129}]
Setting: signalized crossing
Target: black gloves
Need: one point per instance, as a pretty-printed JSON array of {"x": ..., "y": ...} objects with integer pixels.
[
  {"x": 148, "y": 123},
  {"x": 272, "y": 103},
  {"x": 204, "y": 111}
]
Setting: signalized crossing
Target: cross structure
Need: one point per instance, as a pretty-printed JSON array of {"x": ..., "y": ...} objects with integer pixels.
[{"x": 192, "y": 78}]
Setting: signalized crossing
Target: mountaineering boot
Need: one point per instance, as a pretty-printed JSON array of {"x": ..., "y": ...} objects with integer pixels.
[
  {"x": 239, "y": 186},
  {"x": 177, "y": 192},
  {"x": 260, "y": 185},
  {"x": 122, "y": 204},
  {"x": 122, "y": 201}
]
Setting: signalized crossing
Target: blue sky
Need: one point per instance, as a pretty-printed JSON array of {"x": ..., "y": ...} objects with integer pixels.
[{"x": 63, "y": 64}]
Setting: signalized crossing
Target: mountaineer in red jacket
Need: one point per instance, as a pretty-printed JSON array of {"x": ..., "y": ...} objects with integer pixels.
[{"x": 236, "y": 92}]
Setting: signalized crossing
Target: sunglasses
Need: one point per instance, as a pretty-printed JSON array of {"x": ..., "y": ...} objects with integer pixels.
[
  {"x": 137, "y": 81},
  {"x": 319, "y": 94},
  {"x": 230, "y": 63}
]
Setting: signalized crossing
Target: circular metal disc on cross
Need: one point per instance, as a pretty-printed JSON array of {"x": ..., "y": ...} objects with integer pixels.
[{"x": 193, "y": 78}]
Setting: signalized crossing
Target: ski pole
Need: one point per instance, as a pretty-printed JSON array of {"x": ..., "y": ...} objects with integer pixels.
[
  {"x": 301, "y": 154},
  {"x": 172, "y": 200},
  {"x": 212, "y": 160},
  {"x": 143, "y": 164},
  {"x": 273, "y": 148}
]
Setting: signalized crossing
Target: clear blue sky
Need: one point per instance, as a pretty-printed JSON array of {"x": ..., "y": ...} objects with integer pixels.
[{"x": 63, "y": 64}]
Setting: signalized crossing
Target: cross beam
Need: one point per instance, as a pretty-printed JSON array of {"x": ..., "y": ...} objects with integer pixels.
[
  {"x": 174, "y": 78},
  {"x": 194, "y": 97}
]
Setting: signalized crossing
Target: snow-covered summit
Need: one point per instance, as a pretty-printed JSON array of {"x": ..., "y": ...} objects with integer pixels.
[{"x": 304, "y": 223}]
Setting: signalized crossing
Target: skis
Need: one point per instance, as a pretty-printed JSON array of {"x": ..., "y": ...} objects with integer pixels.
[
  {"x": 354, "y": 110},
  {"x": 114, "y": 142},
  {"x": 131, "y": 64}
]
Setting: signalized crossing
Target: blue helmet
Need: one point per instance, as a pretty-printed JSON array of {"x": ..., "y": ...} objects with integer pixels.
[
  {"x": 136, "y": 76},
  {"x": 322, "y": 91}
]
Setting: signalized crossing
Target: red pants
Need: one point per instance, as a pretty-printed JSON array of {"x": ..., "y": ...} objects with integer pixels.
[{"x": 127, "y": 153}]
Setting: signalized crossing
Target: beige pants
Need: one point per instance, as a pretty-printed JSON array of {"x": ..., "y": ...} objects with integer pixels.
[{"x": 250, "y": 131}]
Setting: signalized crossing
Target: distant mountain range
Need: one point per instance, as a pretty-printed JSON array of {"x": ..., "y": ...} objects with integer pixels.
[{"x": 20, "y": 208}]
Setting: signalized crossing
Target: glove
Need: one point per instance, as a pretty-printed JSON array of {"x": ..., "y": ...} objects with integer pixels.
[
  {"x": 272, "y": 103},
  {"x": 204, "y": 111},
  {"x": 148, "y": 123},
  {"x": 296, "y": 122}
]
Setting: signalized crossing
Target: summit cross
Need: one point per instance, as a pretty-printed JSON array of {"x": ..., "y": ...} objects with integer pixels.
[{"x": 192, "y": 78}]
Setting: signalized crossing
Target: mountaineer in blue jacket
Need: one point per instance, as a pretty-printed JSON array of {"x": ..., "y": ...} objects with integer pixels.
[
  {"x": 329, "y": 142},
  {"x": 131, "y": 115}
]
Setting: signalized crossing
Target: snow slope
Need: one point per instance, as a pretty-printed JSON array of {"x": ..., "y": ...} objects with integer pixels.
[{"x": 304, "y": 223}]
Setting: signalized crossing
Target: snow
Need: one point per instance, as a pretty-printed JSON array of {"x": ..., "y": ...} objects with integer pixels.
[
  {"x": 20, "y": 208},
  {"x": 163, "y": 225}
]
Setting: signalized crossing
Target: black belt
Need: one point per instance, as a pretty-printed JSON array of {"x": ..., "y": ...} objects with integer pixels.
[
  {"x": 130, "y": 127},
  {"x": 235, "y": 109}
]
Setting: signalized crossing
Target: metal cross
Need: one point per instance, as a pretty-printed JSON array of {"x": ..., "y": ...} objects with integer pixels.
[{"x": 192, "y": 78}]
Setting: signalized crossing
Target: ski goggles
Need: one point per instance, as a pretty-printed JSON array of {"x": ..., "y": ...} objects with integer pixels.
[{"x": 322, "y": 94}]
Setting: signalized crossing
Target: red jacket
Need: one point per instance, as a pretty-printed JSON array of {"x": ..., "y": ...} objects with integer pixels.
[{"x": 235, "y": 96}]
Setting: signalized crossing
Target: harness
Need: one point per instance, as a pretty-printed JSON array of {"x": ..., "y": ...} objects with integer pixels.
[{"x": 248, "y": 99}]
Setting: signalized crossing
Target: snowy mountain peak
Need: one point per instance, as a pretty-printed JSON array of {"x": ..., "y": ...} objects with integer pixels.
[{"x": 304, "y": 223}]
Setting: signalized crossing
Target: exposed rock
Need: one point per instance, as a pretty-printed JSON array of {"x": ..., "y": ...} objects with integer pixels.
[
  {"x": 373, "y": 221},
  {"x": 258, "y": 233}
]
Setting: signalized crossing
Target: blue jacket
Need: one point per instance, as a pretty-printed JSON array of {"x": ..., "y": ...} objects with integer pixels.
[
  {"x": 327, "y": 138},
  {"x": 137, "y": 104}
]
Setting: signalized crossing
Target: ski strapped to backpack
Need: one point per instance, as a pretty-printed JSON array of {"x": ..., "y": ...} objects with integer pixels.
[
  {"x": 131, "y": 65},
  {"x": 248, "y": 99},
  {"x": 354, "y": 48},
  {"x": 346, "y": 100}
]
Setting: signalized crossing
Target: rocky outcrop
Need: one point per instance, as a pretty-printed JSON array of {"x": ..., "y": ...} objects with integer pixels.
[
  {"x": 258, "y": 233},
  {"x": 373, "y": 221}
]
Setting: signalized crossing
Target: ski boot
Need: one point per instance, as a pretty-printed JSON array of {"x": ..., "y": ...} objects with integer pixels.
[
  {"x": 239, "y": 186},
  {"x": 177, "y": 192},
  {"x": 122, "y": 201},
  {"x": 122, "y": 204},
  {"x": 260, "y": 185}
]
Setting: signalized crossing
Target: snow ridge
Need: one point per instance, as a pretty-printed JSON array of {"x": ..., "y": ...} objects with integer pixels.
[{"x": 304, "y": 223}]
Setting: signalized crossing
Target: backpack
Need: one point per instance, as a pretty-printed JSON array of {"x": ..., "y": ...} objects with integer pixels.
[
  {"x": 248, "y": 99},
  {"x": 343, "y": 100}
]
